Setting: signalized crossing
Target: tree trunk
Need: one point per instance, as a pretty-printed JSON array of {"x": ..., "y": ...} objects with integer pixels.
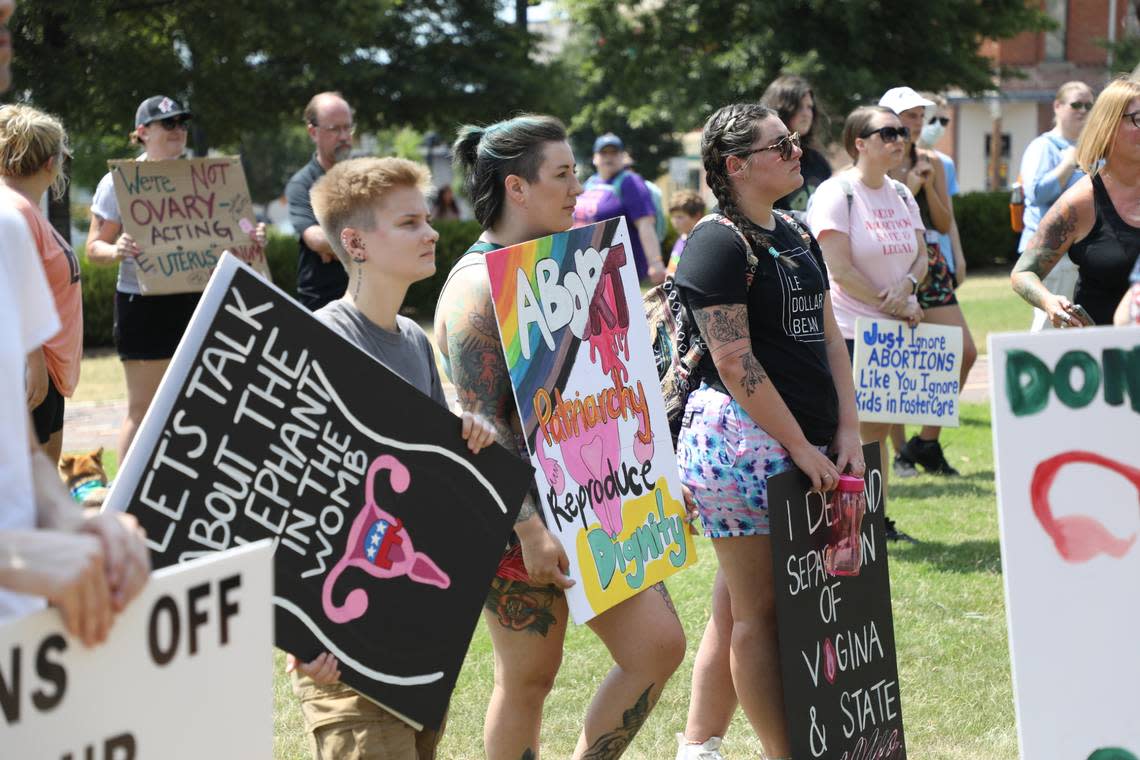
[{"x": 521, "y": 7}]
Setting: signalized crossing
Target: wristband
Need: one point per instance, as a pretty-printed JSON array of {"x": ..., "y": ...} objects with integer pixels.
[{"x": 913, "y": 283}]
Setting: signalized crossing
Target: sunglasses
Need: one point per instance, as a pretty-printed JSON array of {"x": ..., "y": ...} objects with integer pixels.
[
  {"x": 1081, "y": 105},
  {"x": 943, "y": 120},
  {"x": 787, "y": 146},
  {"x": 888, "y": 134},
  {"x": 1133, "y": 116},
  {"x": 174, "y": 122},
  {"x": 345, "y": 129}
]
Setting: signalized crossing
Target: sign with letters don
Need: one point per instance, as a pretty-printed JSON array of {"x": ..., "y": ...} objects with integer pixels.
[
  {"x": 904, "y": 374},
  {"x": 837, "y": 638},
  {"x": 577, "y": 346},
  {"x": 1066, "y": 427},
  {"x": 182, "y": 214},
  {"x": 386, "y": 529},
  {"x": 186, "y": 673}
]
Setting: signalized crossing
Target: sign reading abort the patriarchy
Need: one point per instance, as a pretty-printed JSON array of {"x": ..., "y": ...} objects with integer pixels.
[
  {"x": 386, "y": 529},
  {"x": 909, "y": 375},
  {"x": 182, "y": 214},
  {"x": 837, "y": 639},
  {"x": 186, "y": 673}
]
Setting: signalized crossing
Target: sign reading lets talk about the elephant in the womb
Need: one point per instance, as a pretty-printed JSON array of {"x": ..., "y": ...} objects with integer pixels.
[
  {"x": 1066, "y": 426},
  {"x": 386, "y": 529},
  {"x": 183, "y": 213},
  {"x": 577, "y": 346}
]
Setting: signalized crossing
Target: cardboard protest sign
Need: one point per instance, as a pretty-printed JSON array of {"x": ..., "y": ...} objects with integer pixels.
[
  {"x": 1066, "y": 426},
  {"x": 909, "y": 375},
  {"x": 186, "y": 673},
  {"x": 182, "y": 214},
  {"x": 386, "y": 529},
  {"x": 837, "y": 636},
  {"x": 577, "y": 346}
]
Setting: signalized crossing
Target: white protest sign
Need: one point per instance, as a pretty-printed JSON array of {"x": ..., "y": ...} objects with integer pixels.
[
  {"x": 1066, "y": 424},
  {"x": 909, "y": 375},
  {"x": 186, "y": 673}
]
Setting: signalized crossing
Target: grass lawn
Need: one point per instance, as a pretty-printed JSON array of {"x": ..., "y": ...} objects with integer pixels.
[{"x": 949, "y": 612}]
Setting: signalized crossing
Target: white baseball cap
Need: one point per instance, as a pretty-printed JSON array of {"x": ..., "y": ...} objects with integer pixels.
[{"x": 900, "y": 99}]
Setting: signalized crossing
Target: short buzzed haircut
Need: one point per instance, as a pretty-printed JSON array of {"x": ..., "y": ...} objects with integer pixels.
[
  {"x": 352, "y": 191},
  {"x": 687, "y": 202},
  {"x": 310, "y": 114}
]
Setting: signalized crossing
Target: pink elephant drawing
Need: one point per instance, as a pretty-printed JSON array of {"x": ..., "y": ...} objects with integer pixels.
[{"x": 379, "y": 544}]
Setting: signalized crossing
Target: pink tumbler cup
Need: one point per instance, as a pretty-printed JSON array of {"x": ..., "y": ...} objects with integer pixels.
[{"x": 844, "y": 552}]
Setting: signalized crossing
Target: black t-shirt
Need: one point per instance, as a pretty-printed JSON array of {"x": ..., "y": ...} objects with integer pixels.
[
  {"x": 785, "y": 315},
  {"x": 318, "y": 283},
  {"x": 1105, "y": 257},
  {"x": 815, "y": 170}
]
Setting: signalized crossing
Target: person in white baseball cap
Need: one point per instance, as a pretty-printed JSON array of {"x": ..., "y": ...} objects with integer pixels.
[{"x": 925, "y": 176}]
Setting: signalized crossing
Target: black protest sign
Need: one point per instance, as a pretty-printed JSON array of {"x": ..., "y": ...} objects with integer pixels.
[
  {"x": 837, "y": 640},
  {"x": 386, "y": 529}
]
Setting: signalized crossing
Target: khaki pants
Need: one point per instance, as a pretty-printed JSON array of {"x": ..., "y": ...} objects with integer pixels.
[{"x": 345, "y": 725}]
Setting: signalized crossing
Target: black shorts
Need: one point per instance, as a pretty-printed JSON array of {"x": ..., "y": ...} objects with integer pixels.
[
  {"x": 149, "y": 327},
  {"x": 48, "y": 416}
]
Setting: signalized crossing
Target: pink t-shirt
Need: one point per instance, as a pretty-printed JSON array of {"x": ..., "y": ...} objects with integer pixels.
[
  {"x": 881, "y": 227},
  {"x": 64, "y": 350}
]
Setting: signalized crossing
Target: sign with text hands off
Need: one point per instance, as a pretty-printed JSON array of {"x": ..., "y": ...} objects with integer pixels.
[
  {"x": 577, "y": 347},
  {"x": 182, "y": 214},
  {"x": 837, "y": 638},
  {"x": 1066, "y": 427},
  {"x": 386, "y": 529},
  {"x": 908, "y": 375},
  {"x": 186, "y": 673}
]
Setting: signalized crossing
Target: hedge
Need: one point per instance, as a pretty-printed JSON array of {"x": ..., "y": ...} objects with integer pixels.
[
  {"x": 983, "y": 224},
  {"x": 99, "y": 281},
  {"x": 983, "y": 221}
]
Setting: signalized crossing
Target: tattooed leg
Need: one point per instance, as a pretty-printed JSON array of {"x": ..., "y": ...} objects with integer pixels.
[
  {"x": 527, "y": 625},
  {"x": 613, "y": 744},
  {"x": 664, "y": 592}
]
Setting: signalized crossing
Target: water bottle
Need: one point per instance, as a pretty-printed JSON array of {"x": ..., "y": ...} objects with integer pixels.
[{"x": 844, "y": 552}]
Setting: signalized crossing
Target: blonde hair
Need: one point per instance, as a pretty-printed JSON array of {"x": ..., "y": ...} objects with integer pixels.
[
  {"x": 1103, "y": 121},
  {"x": 351, "y": 192},
  {"x": 29, "y": 138}
]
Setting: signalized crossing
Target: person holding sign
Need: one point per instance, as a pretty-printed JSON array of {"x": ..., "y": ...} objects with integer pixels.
[
  {"x": 1096, "y": 221},
  {"x": 147, "y": 328},
  {"x": 776, "y": 389},
  {"x": 520, "y": 175},
  {"x": 375, "y": 217},
  {"x": 871, "y": 233},
  {"x": 33, "y": 147}
]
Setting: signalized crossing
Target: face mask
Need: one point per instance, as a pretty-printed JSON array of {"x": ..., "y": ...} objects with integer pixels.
[{"x": 932, "y": 133}]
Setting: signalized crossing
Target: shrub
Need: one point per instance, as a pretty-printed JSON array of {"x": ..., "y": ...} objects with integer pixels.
[{"x": 983, "y": 224}]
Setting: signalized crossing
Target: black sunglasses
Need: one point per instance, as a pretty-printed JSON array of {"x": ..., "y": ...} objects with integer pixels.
[
  {"x": 787, "y": 146},
  {"x": 888, "y": 134},
  {"x": 1133, "y": 116},
  {"x": 1081, "y": 105},
  {"x": 943, "y": 120},
  {"x": 174, "y": 122}
]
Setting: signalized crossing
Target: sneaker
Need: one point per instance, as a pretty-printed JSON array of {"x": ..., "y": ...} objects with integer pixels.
[
  {"x": 710, "y": 750},
  {"x": 903, "y": 467},
  {"x": 929, "y": 455},
  {"x": 893, "y": 533}
]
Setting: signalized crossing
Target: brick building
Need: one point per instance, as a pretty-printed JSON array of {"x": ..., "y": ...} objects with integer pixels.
[{"x": 1022, "y": 108}]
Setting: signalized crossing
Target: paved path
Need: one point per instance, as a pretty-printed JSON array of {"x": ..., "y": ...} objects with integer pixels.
[{"x": 92, "y": 424}]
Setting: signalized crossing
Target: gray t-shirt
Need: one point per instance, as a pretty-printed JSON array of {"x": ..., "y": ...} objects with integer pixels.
[
  {"x": 407, "y": 352},
  {"x": 106, "y": 205}
]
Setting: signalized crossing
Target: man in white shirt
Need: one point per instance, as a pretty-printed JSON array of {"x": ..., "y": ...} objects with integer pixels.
[{"x": 88, "y": 566}]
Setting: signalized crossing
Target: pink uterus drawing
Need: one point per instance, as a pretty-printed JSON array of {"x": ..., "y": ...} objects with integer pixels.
[
  {"x": 589, "y": 456},
  {"x": 379, "y": 544}
]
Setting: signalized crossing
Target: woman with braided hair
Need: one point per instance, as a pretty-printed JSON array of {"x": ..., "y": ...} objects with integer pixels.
[{"x": 775, "y": 393}]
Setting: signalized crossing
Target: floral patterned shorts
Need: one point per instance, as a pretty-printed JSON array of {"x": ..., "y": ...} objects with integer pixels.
[{"x": 725, "y": 460}]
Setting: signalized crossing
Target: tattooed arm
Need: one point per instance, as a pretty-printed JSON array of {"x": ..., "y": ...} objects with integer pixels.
[
  {"x": 1068, "y": 221},
  {"x": 726, "y": 333},
  {"x": 469, "y": 338}
]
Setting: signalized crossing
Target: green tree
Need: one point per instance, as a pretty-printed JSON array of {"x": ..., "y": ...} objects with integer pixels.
[{"x": 660, "y": 68}]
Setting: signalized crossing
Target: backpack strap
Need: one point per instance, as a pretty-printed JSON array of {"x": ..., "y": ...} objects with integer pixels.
[
  {"x": 794, "y": 223},
  {"x": 849, "y": 191},
  {"x": 751, "y": 262}
]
